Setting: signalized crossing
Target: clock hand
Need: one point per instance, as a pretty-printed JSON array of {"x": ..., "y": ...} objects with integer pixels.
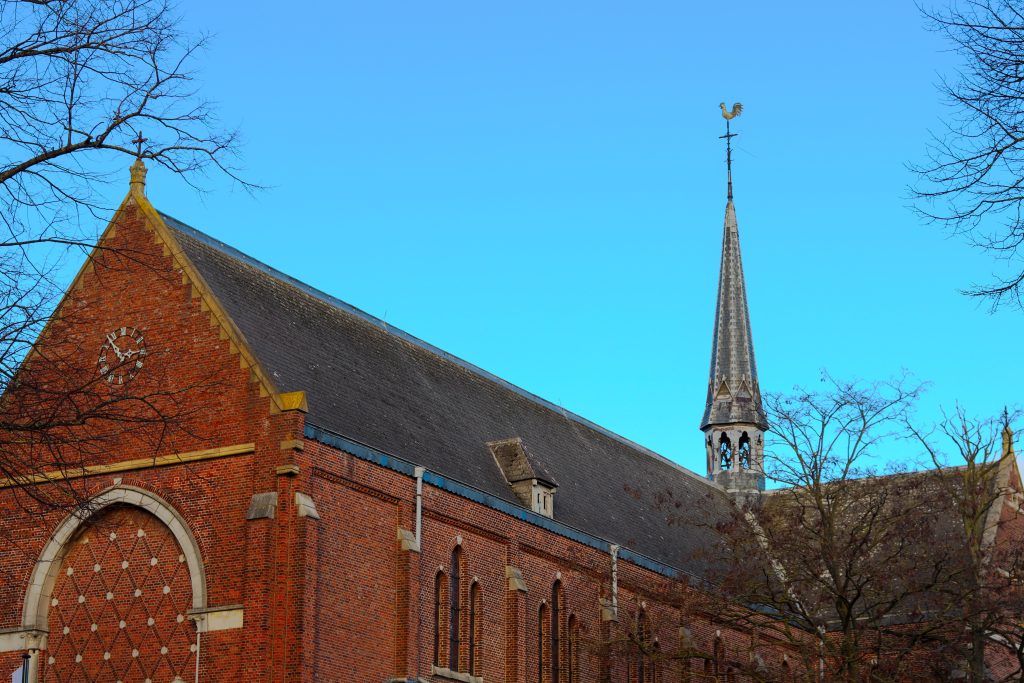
[{"x": 117, "y": 351}]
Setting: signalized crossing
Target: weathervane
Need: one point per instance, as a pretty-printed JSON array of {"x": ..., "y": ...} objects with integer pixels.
[
  {"x": 737, "y": 109},
  {"x": 139, "y": 140}
]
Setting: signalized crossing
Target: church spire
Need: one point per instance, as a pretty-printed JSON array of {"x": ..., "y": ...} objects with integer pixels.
[{"x": 734, "y": 420}]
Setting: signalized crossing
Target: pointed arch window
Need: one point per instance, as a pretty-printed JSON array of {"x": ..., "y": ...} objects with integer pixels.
[
  {"x": 719, "y": 663},
  {"x": 542, "y": 641},
  {"x": 572, "y": 666},
  {"x": 475, "y": 629},
  {"x": 455, "y": 609},
  {"x": 556, "y": 631},
  {"x": 725, "y": 452},
  {"x": 643, "y": 636},
  {"x": 744, "y": 451},
  {"x": 439, "y": 590}
]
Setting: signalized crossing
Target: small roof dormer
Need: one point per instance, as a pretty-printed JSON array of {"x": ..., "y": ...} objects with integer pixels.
[{"x": 526, "y": 475}]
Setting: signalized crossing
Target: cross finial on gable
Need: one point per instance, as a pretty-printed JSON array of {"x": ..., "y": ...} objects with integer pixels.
[{"x": 138, "y": 145}]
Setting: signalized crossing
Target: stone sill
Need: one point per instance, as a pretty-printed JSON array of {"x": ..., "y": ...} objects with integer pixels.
[{"x": 455, "y": 675}]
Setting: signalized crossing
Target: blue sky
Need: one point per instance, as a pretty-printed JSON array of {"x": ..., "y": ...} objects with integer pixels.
[{"x": 539, "y": 188}]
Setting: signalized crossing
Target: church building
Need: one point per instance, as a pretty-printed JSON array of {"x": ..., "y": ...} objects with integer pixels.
[{"x": 281, "y": 487}]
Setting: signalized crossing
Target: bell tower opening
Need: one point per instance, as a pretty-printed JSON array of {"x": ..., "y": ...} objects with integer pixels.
[
  {"x": 724, "y": 453},
  {"x": 744, "y": 452}
]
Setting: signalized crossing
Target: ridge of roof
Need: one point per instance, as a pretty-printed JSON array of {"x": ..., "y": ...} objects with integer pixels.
[{"x": 408, "y": 338}]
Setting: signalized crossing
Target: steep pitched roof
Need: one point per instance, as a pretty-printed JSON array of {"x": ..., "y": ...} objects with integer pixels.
[
  {"x": 734, "y": 394},
  {"x": 379, "y": 386}
]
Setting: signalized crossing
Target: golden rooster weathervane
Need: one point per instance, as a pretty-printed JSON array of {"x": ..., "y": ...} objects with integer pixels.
[{"x": 737, "y": 109}]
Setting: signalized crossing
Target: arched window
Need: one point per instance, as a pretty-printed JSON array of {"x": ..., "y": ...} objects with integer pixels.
[
  {"x": 475, "y": 630},
  {"x": 556, "y": 631},
  {"x": 744, "y": 451},
  {"x": 725, "y": 452},
  {"x": 439, "y": 581},
  {"x": 572, "y": 670},
  {"x": 454, "y": 603},
  {"x": 643, "y": 669},
  {"x": 542, "y": 641}
]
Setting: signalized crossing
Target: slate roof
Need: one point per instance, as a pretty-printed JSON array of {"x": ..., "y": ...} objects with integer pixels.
[
  {"x": 374, "y": 384},
  {"x": 734, "y": 394}
]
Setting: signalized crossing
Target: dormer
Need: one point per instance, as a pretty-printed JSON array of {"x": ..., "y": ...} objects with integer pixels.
[{"x": 525, "y": 474}]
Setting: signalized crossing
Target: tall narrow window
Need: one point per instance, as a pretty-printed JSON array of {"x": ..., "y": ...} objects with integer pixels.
[
  {"x": 572, "y": 666},
  {"x": 556, "y": 631},
  {"x": 744, "y": 452},
  {"x": 454, "y": 622},
  {"x": 725, "y": 452},
  {"x": 642, "y": 668},
  {"x": 438, "y": 627},
  {"x": 474, "y": 626},
  {"x": 542, "y": 641}
]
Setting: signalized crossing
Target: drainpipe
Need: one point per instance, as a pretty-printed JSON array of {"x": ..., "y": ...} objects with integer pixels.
[
  {"x": 614, "y": 550},
  {"x": 821, "y": 653},
  {"x": 419, "y": 506}
]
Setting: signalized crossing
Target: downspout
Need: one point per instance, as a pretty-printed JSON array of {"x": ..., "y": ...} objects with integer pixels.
[
  {"x": 199, "y": 643},
  {"x": 419, "y": 506},
  {"x": 418, "y": 472},
  {"x": 199, "y": 640},
  {"x": 614, "y": 550}
]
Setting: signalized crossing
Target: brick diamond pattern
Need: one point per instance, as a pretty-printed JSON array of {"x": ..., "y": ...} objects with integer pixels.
[{"x": 119, "y": 607}]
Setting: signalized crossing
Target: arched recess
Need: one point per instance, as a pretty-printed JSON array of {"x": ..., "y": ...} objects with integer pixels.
[{"x": 35, "y": 613}]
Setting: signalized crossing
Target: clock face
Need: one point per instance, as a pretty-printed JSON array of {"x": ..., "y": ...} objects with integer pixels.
[{"x": 122, "y": 355}]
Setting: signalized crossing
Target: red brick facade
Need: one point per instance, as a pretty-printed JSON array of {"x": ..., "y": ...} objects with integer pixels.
[{"x": 339, "y": 593}]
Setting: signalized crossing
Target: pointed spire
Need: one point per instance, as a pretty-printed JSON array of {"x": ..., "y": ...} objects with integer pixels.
[{"x": 734, "y": 394}]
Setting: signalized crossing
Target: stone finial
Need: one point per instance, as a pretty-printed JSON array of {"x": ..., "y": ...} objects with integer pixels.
[{"x": 138, "y": 177}]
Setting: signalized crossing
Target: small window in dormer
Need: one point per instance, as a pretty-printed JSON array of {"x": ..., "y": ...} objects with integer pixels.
[{"x": 544, "y": 500}]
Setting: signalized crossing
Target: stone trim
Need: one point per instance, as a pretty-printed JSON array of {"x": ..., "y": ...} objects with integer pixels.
[
  {"x": 17, "y": 639},
  {"x": 515, "y": 579},
  {"x": 223, "y": 618},
  {"x": 293, "y": 400},
  {"x": 127, "y": 465},
  {"x": 305, "y": 507},
  {"x": 35, "y": 613},
  {"x": 455, "y": 675},
  {"x": 609, "y": 612},
  {"x": 407, "y": 540},
  {"x": 262, "y": 506}
]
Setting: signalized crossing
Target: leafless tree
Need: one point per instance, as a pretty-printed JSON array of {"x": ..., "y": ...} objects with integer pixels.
[
  {"x": 85, "y": 86},
  {"x": 844, "y": 555},
  {"x": 977, "y": 478},
  {"x": 973, "y": 180}
]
